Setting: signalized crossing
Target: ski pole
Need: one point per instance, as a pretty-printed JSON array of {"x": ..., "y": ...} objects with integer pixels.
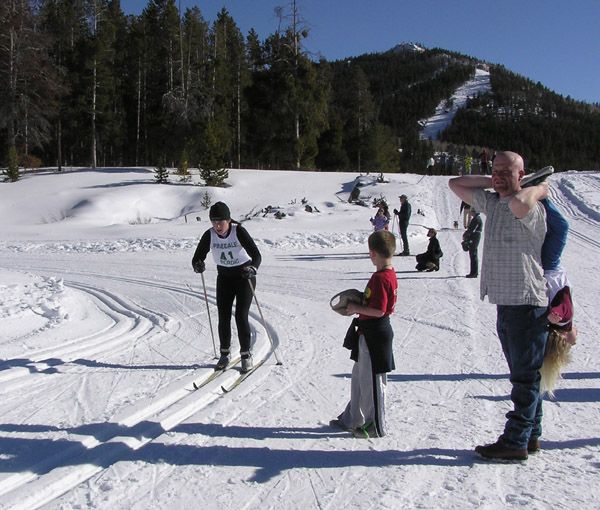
[
  {"x": 208, "y": 312},
  {"x": 264, "y": 323}
]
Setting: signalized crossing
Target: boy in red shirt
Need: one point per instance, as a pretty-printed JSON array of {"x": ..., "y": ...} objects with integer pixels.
[{"x": 370, "y": 340}]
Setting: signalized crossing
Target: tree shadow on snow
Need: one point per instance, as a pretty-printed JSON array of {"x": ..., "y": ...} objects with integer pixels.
[
  {"x": 31, "y": 365},
  {"x": 49, "y": 366},
  {"x": 425, "y": 275},
  {"x": 395, "y": 377},
  {"x": 41, "y": 456},
  {"x": 564, "y": 395},
  {"x": 323, "y": 256}
]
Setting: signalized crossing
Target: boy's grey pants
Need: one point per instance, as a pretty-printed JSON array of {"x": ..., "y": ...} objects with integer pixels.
[{"x": 367, "y": 394}]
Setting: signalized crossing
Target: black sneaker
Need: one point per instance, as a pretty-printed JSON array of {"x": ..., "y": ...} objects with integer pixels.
[
  {"x": 499, "y": 451},
  {"x": 223, "y": 362},
  {"x": 471, "y": 276},
  {"x": 537, "y": 177}
]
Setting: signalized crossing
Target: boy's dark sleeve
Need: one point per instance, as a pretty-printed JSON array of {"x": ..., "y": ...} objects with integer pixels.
[
  {"x": 202, "y": 249},
  {"x": 351, "y": 340},
  {"x": 249, "y": 245}
]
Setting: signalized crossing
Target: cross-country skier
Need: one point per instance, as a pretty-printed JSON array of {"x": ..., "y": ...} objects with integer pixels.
[{"x": 237, "y": 259}]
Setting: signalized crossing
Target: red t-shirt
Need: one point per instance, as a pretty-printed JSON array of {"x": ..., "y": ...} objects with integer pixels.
[{"x": 381, "y": 292}]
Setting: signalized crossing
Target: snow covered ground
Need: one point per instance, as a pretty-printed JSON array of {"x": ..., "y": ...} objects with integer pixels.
[{"x": 104, "y": 329}]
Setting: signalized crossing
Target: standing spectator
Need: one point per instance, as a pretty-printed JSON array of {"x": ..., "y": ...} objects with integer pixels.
[
  {"x": 430, "y": 165},
  {"x": 403, "y": 219},
  {"x": 369, "y": 339},
  {"x": 483, "y": 162},
  {"x": 465, "y": 209},
  {"x": 442, "y": 163},
  {"x": 512, "y": 278},
  {"x": 450, "y": 165},
  {"x": 471, "y": 238},
  {"x": 468, "y": 163}
]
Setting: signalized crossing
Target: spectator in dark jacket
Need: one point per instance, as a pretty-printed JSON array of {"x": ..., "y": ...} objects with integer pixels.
[
  {"x": 403, "y": 219},
  {"x": 465, "y": 209},
  {"x": 430, "y": 260},
  {"x": 471, "y": 239}
]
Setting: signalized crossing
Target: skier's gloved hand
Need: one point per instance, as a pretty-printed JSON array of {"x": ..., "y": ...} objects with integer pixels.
[
  {"x": 199, "y": 266},
  {"x": 248, "y": 272}
]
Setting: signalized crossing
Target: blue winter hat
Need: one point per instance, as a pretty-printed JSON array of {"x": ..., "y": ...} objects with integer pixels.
[{"x": 219, "y": 212}]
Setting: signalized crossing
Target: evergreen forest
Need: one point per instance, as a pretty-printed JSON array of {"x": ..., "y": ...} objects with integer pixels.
[{"x": 83, "y": 84}]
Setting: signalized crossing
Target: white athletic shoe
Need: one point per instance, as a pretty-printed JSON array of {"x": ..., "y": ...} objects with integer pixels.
[{"x": 247, "y": 364}]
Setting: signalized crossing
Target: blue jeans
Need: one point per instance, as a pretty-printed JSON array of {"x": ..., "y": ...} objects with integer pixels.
[
  {"x": 556, "y": 236},
  {"x": 523, "y": 332}
]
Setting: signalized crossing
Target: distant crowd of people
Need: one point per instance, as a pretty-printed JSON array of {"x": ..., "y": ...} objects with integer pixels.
[{"x": 447, "y": 163}]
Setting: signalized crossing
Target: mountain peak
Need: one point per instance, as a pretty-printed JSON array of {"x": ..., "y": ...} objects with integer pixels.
[{"x": 408, "y": 47}]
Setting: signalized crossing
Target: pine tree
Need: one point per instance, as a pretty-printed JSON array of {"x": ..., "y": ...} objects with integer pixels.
[
  {"x": 161, "y": 174},
  {"x": 212, "y": 164},
  {"x": 12, "y": 167}
]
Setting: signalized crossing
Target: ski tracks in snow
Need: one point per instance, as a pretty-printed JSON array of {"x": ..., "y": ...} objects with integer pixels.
[{"x": 63, "y": 374}]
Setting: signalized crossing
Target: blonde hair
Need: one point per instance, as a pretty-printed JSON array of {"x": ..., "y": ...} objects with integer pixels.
[
  {"x": 558, "y": 354},
  {"x": 383, "y": 243}
]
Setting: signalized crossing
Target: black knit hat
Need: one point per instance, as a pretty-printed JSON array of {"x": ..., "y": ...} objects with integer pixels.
[{"x": 219, "y": 211}]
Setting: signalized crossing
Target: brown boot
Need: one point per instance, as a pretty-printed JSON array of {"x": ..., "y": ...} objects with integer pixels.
[
  {"x": 533, "y": 446},
  {"x": 500, "y": 451}
]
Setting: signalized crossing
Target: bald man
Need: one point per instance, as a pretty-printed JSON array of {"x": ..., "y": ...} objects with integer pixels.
[{"x": 513, "y": 279}]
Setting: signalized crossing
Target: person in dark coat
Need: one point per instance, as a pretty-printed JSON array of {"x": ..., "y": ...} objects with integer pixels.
[
  {"x": 403, "y": 219},
  {"x": 471, "y": 238},
  {"x": 430, "y": 260},
  {"x": 465, "y": 210}
]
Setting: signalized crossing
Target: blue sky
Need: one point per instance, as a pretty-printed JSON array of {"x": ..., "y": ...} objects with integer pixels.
[{"x": 555, "y": 42}]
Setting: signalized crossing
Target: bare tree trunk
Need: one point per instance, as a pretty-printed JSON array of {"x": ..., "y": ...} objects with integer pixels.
[
  {"x": 171, "y": 65},
  {"x": 94, "y": 87},
  {"x": 183, "y": 87},
  {"x": 296, "y": 107},
  {"x": 139, "y": 99},
  {"x": 94, "y": 92},
  {"x": 214, "y": 73},
  {"x": 59, "y": 144},
  {"x": 239, "y": 116},
  {"x": 12, "y": 79}
]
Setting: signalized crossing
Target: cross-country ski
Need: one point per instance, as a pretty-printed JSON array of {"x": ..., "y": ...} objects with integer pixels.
[{"x": 214, "y": 375}]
